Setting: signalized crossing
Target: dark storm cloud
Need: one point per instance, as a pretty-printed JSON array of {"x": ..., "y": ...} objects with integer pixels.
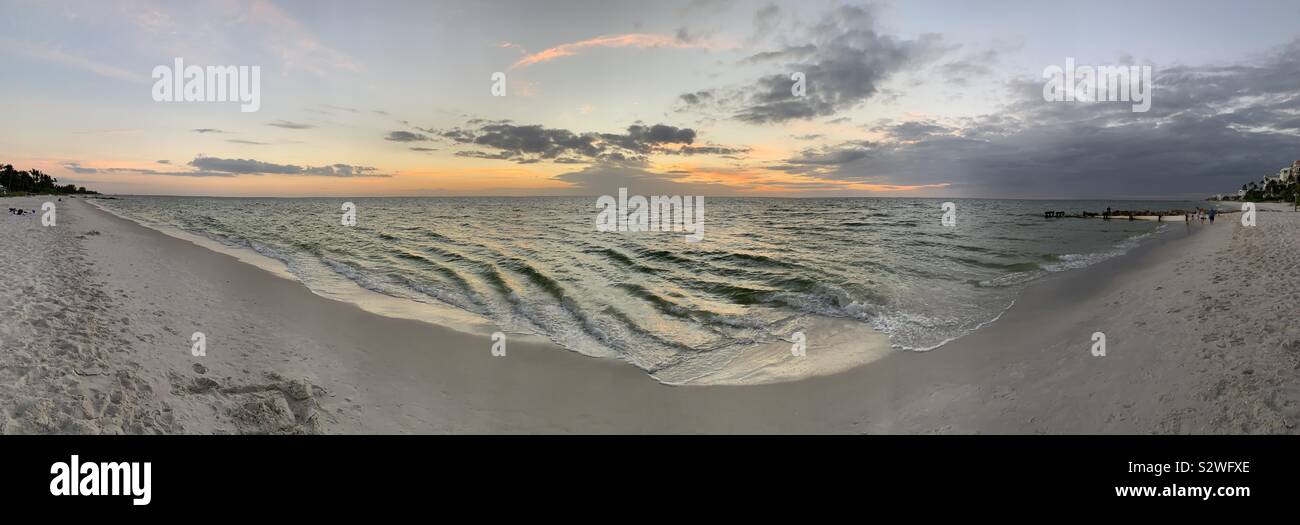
[
  {"x": 844, "y": 63},
  {"x": 815, "y": 160},
  {"x": 1209, "y": 130},
  {"x": 535, "y": 141},
  {"x": 526, "y": 144},
  {"x": 913, "y": 130}
]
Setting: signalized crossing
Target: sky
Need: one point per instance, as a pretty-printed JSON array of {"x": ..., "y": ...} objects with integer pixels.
[{"x": 916, "y": 98}]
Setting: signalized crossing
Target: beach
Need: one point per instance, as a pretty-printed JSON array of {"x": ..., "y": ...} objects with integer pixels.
[{"x": 97, "y": 316}]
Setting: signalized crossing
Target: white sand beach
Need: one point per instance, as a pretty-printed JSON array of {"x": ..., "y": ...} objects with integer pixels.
[{"x": 97, "y": 313}]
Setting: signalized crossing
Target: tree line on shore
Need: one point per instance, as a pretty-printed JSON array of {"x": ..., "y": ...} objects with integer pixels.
[
  {"x": 33, "y": 181},
  {"x": 1284, "y": 187},
  {"x": 1271, "y": 190}
]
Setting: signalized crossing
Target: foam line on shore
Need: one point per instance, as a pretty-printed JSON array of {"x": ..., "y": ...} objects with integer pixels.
[{"x": 340, "y": 289}]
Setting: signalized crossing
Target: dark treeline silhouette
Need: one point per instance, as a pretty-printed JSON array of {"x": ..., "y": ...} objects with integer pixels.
[{"x": 33, "y": 181}]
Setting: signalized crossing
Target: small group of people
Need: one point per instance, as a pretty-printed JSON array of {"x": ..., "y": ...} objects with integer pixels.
[
  {"x": 20, "y": 211},
  {"x": 1201, "y": 214}
]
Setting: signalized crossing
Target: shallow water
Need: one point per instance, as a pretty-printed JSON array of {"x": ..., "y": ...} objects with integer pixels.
[{"x": 683, "y": 311}]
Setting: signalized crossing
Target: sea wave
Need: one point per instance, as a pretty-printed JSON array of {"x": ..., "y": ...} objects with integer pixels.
[{"x": 678, "y": 310}]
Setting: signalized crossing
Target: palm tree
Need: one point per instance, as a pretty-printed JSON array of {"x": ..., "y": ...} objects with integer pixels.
[{"x": 8, "y": 171}]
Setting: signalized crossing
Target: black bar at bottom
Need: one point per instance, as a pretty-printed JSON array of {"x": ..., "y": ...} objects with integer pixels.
[{"x": 208, "y": 474}]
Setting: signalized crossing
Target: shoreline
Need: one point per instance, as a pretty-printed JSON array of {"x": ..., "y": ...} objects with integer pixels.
[
  {"x": 282, "y": 359},
  {"x": 856, "y": 343},
  {"x": 349, "y": 291}
]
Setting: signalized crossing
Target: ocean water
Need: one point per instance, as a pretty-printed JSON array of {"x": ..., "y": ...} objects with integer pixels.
[{"x": 706, "y": 312}]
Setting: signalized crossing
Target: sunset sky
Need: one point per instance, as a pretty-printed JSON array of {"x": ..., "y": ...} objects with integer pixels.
[{"x": 905, "y": 98}]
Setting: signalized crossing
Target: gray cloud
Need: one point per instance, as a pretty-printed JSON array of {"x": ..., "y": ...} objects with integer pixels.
[
  {"x": 527, "y": 144},
  {"x": 343, "y": 170},
  {"x": 257, "y": 167},
  {"x": 709, "y": 6},
  {"x": 705, "y": 150},
  {"x": 607, "y": 179},
  {"x": 207, "y": 130},
  {"x": 844, "y": 64},
  {"x": 197, "y": 173},
  {"x": 77, "y": 168},
  {"x": 290, "y": 125},
  {"x": 1210, "y": 129},
  {"x": 242, "y": 166},
  {"x": 912, "y": 130},
  {"x": 340, "y": 108},
  {"x": 406, "y": 136}
]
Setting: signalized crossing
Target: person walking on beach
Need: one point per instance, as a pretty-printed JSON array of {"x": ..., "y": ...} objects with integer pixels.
[{"x": 1211, "y": 215}]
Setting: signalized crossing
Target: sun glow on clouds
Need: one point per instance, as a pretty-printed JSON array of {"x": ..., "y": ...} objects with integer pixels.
[
  {"x": 760, "y": 181},
  {"x": 635, "y": 40}
]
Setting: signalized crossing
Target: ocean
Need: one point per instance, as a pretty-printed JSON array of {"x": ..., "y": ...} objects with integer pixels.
[{"x": 722, "y": 310}]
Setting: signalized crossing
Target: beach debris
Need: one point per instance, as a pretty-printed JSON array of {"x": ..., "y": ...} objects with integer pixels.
[
  {"x": 263, "y": 413},
  {"x": 204, "y": 384},
  {"x": 299, "y": 390}
]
